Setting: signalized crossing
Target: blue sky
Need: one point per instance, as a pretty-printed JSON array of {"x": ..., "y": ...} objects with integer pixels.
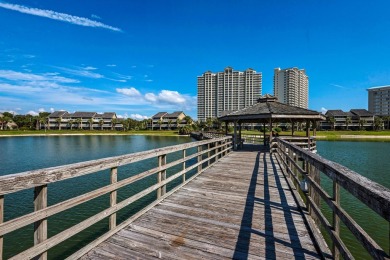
[{"x": 140, "y": 57}]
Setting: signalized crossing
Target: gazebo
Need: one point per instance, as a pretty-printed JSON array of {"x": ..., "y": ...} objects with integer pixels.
[{"x": 268, "y": 110}]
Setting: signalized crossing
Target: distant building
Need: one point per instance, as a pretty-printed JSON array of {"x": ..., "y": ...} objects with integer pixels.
[
  {"x": 291, "y": 86},
  {"x": 355, "y": 119},
  {"x": 229, "y": 90},
  {"x": 164, "y": 120},
  {"x": 84, "y": 120},
  {"x": 379, "y": 100}
]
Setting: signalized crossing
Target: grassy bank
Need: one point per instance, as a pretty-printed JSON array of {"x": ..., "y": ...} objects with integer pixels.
[
  {"x": 85, "y": 132},
  {"x": 340, "y": 135}
]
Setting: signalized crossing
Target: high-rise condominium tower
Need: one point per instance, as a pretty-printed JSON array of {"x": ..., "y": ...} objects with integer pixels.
[
  {"x": 227, "y": 91},
  {"x": 379, "y": 100},
  {"x": 291, "y": 86}
]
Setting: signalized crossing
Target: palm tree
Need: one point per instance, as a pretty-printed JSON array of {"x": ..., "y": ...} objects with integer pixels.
[
  {"x": 332, "y": 122},
  {"x": 362, "y": 122},
  {"x": 90, "y": 122},
  {"x": 70, "y": 123},
  {"x": 177, "y": 123},
  {"x": 58, "y": 120},
  {"x": 378, "y": 123},
  {"x": 169, "y": 124},
  {"x": 79, "y": 123},
  {"x": 114, "y": 121},
  {"x": 387, "y": 118},
  {"x": 101, "y": 123},
  {"x": 189, "y": 120},
  {"x": 209, "y": 123},
  {"x": 41, "y": 120},
  {"x": 160, "y": 123},
  {"x": 348, "y": 121},
  {"x": 4, "y": 121}
]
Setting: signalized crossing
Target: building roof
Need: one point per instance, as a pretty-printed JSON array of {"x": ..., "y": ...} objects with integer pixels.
[
  {"x": 337, "y": 112},
  {"x": 174, "y": 114},
  {"x": 379, "y": 87},
  {"x": 159, "y": 114},
  {"x": 84, "y": 114},
  {"x": 108, "y": 115},
  {"x": 58, "y": 114},
  {"x": 267, "y": 107},
  {"x": 361, "y": 112}
]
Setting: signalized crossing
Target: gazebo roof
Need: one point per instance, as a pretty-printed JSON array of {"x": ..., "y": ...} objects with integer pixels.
[{"x": 267, "y": 107}]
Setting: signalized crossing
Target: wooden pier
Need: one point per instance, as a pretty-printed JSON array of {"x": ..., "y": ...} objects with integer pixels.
[
  {"x": 240, "y": 208},
  {"x": 224, "y": 204}
]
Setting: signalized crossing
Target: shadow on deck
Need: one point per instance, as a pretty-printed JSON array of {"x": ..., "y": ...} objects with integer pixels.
[{"x": 241, "y": 208}]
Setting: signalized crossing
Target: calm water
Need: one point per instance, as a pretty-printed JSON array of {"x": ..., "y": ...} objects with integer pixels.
[
  {"x": 372, "y": 160},
  {"x": 18, "y": 154}
]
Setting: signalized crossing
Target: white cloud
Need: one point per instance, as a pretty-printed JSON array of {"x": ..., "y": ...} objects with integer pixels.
[
  {"x": 111, "y": 65},
  {"x": 33, "y": 113},
  {"x": 166, "y": 96},
  {"x": 131, "y": 92},
  {"x": 323, "y": 110},
  {"x": 94, "y": 16},
  {"x": 41, "y": 110},
  {"x": 138, "y": 117},
  {"x": 90, "y": 68},
  {"x": 149, "y": 80},
  {"x": 58, "y": 16}
]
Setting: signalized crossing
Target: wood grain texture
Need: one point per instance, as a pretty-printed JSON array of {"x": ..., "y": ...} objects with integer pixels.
[{"x": 239, "y": 208}]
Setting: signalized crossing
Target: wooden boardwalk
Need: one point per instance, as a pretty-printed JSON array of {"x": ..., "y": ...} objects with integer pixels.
[{"x": 241, "y": 208}]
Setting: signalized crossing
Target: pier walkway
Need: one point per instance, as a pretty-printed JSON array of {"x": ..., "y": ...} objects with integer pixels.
[{"x": 240, "y": 208}]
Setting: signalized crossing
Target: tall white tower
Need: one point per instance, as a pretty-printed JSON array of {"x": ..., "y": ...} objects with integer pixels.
[
  {"x": 225, "y": 91},
  {"x": 291, "y": 86}
]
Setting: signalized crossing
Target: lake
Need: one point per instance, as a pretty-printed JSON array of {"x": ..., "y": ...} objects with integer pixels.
[{"x": 18, "y": 154}]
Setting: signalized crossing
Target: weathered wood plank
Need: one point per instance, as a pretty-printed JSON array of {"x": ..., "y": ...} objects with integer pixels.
[{"x": 20, "y": 181}]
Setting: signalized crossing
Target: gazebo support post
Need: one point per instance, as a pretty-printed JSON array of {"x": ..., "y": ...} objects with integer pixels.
[
  {"x": 264, "y": 139},
  {"x": 235, "y": 135},
  {"x": 239, "y": 133},
  {"x": 314, "y": 128},
  {"x": 270, "y": 132},
  {"x": 226, "y": 127},
  {"x": 308, "y": 134},
  {"x": 292, "y": 127}
]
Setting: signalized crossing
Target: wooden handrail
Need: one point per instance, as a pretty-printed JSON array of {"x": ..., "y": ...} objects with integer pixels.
[
  {"x": 372, "y": 194},
  {"x": 38, "y": 179}
]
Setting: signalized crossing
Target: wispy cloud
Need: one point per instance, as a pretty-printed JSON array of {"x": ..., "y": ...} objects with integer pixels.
[
  {"x": 20, "y": 76},
  {"x": 90, "y": 68},
  {"x": 338, "y": 86},
  {"x": 111, "y": 65},
  {"x": 94, "y": 16},
  {"x": 58, "y": 16},
  {"x": 138, "y": 116},
  {"x": 82, "y": 72}
]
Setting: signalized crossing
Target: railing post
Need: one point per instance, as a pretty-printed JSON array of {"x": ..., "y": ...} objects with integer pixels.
[
  {"x": 162, "y": 175},
  {"x": 208, "y": 154},
  {"x": 40, "y": 227},
  {"x": 1, "y": 221},
  {"x": 184, "y": 165},
  {"x": 314, "y": 173},
  {"x": 113, "y": 179},
  {"x": 199, "y": 158},
  {"x": 336, "y": 219}
]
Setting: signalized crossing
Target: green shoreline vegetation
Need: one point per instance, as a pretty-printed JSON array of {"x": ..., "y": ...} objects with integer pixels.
[{"x": 321, "y": 135}]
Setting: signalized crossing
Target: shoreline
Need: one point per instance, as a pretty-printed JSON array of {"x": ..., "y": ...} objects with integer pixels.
[{"x": 318, "y": 137}]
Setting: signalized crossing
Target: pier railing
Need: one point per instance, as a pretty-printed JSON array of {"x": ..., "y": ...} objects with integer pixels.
[
  {"x": 207, "y": 153},
  {"x": 304, "y": 168}
]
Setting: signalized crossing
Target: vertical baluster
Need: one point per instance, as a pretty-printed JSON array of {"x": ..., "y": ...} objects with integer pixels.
[
  {"x": 336, "y": 219},
  {"x": 162, "y": 175},
  {"x": 184, "y": 165},
  {"x": 40, "y": 227},
  {"x": 208, "y": 154},
  {"x": 199, "y": 158},
  {"x": 1, "y": 221},
  {"x": 113, "y": 196}
]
